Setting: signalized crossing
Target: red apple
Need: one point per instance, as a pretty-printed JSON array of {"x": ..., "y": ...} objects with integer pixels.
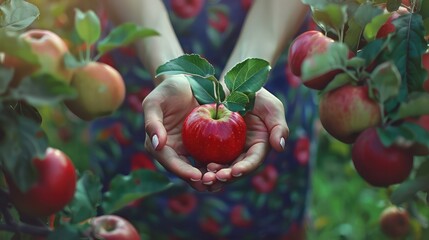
[
  {"x": 347, "y": 111},
  {"x": 214, "y": 139},
  {"x": 49, "y": 49},
  {"x": 417, "y": 148},
  {"x": 111, "y": 227},
  {"x": 304, "y": 47},
  {"x": 187, "y": 8},
  {"x": 377, "y": 164},
  {"x": 395, "y": 222}
]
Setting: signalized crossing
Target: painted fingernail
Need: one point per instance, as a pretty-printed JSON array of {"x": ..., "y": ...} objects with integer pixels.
[
  {"x": 155, "y": 141},
  {"x": 237, "y": 175},
  {"x": 282, "y": 142}
]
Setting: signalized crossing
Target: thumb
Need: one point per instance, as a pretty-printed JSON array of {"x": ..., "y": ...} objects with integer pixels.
[
  {"x": 278, "y": 129},
  {"x": 155, "y": 130}
]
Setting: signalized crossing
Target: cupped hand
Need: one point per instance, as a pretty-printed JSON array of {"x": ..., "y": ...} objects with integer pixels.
[
  {"x": 165, "y": 109},
  {"x": 266, "y": 128}
]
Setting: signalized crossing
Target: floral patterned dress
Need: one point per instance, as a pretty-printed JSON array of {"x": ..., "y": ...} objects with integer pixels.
[{"x": 269, "y": 204}]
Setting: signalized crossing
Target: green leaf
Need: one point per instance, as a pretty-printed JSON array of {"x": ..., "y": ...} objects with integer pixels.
[
  {"x": 372, "y": 50},
  {"x": 188, "y": 64},
  {"x": 22, "y": 108},
  {"x": 204, "y": 89},
  {"x": 371, "y": 29},
  {"x": 335, "y": 57},
  {"x": 13, "y": 45},
  {"x": 87, "y": 198},
  {"x": 416, "y": 105},
  {"x": 23, "y": 141},
  {"x": 70, "y": 61},
  {"x": 405, "y": 49},
  {"x": 6, "y": 76},
  {"x": 123, "y": 35},
  {"x": 66, "y": 232},
  {"x": 237, "y": 101},
  {"x": 87, "y": 26},
  {"x": 339, "y": 80},
  {"x": 386, "y": 79},
  {"x": 331, "y": 17},
  {"x": 126, "y": 189},
  {"x": 407, "y": 131},
  {"x": 42, "y": 89},
  {"x": 17, "y": 15},
  {"x": 408, "y": 189},
  {"x": 248, "y": 76}
]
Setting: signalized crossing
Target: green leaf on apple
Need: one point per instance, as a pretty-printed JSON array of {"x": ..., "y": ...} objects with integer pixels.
[
  {"x": 12, "y": 44},
  {"x": 87, "y": 26},
  {"x": 42, "y": 89},
  {"x": 386, "y": 79},
  {"x": 372, "y": 50},
  {"x": 23, "y": 141},
  {"x": 237, "y": 101},
  {"x": 415, "y": 105},
  {"x": 123, "y": 35},
  {"x": 335, "y": 57},
  {"x": 405, "y": 133},
  {"x": 17, "y": 15},
  {"x": 331, "y": 17},
  {"x": 204, "y": 90},
  {"x": 248, "y": 76},
  {"x": 86, "y": 200},
  {"x": 339, "y": 80},
  {"x": 188, "y": 64},
  {"x": 125, "y": 189},
  {"x": 371, "y": 29}
]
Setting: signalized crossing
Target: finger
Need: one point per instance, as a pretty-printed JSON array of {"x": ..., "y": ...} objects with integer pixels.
[
  {"x": 214, "y": 167},
  {"x": 279, "y": 131},
  {"x": 208, "y": 178},
  {"x": 179, "y": 165},
  {"x": 153, "y": 117},
  {"x": 253, "y": 159}
]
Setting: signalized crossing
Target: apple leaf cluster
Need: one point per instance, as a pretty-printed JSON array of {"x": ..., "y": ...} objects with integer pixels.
[
  {"x": 17, "y": 14},
  {"x": 242, "y": 81},
  {"x": 371, "y": 76}
]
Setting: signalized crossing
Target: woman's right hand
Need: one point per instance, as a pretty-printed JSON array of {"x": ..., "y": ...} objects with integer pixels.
[{"x": 165, "y": 110}]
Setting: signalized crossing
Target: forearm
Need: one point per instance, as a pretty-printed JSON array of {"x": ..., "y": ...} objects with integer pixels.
[
  {"x": 267, "y": 29},
  {"x": 153, "y": 51}
]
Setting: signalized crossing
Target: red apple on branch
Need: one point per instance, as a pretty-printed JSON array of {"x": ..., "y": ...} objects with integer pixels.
[
  {"x": 111, "y": 227},
  {"x": 395, "y": 222},
  {"x": 377, "y": 164},
  {"x": 304, "y": 47},
  {"x": 348, "y": 110},
  {"x": 213, "y": 133},
  {"x": 49, "y": 49}
]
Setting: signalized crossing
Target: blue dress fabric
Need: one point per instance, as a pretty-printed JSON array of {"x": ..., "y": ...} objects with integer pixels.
[{"x": 271, "y": 203}]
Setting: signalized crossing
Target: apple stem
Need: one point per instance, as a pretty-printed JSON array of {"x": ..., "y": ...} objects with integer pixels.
[{"x": 217, "y": 110}]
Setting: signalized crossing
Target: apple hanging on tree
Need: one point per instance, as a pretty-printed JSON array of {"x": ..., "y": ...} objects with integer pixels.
[{"x": 215, "y": 131}]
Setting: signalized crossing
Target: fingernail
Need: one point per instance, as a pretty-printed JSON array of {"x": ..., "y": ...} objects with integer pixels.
[
  {"x": 195, "y": 180},
  {"x": 208, "y": 183},
  {"x": 221, "y": 179},
  {"x": 210, "y": 170},
  {"x": 237, "y": 175},
  {"x": 282, "y": 142},
  {"x": 155, "y": 141}
]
